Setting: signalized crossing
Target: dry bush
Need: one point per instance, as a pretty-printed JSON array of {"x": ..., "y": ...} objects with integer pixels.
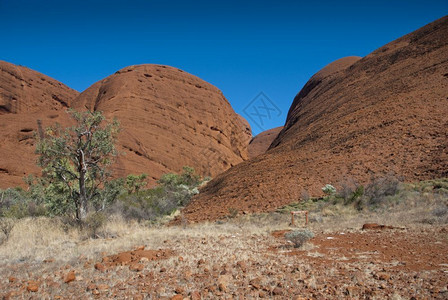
[
  {"x": 299, "y": 237},
  {"x": 6, "y": 225}
]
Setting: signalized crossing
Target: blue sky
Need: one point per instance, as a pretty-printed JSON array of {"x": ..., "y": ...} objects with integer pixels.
[{"x": 242, "y": 47}]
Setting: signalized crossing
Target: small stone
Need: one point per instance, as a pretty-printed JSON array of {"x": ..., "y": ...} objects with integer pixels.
[
  {"x": 195, "y": 295},
  {"x": 91, "y": 287},
  {"x": 181, "y": 258},
  {"x": 188, "y": 274},
  {"x": 177, "y": 297},
  {"x": 12, "y": 279},
  {"x": 70, "y": 277},
  {"x": 136, "y": 267},
  {"x": 48, "y": 260},
  {"x": 33, "y": 286},
  {"x": 179, "y": 290},
  {"x": 95, "y": 292},
  {"x": 223, "y": 282},
  {"x": 277, "y": 291},
  {"x": 242, "y": 265},
  {"x": 102, "y": 287},
  {"x": 383, "y": 276},
  {"x": 351, "y": 291},
  {"x": 256, "y": 283},
  {"x": 100, "y": 267}
]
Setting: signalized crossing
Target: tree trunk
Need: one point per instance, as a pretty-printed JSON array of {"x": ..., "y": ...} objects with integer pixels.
[{"x": 82, "y": 205}]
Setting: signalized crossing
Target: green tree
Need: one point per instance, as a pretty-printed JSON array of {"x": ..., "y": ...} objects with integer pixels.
[{"x": 75, "y": 161}]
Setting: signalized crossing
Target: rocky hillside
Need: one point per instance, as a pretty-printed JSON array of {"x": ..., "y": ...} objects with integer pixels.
[
  {"x": 26, "y": 96},
  {"x": 169, "y": 119},
  {"x": 261, "y": 142},
  {"x": 355, "y": 119}
]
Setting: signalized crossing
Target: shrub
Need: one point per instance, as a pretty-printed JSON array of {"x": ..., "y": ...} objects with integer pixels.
[
  {"x": 350, "y": 191},
  {"x": 380, "y": 189},
  {"x": 6, "y": 226},
  {"x": 299, "y": 237},
  {"x": 93, "y": 223},
  {"x": 328, "y": 189},
  {"x": 16, "y": 203},
  {"x": 173, "y": 191}
]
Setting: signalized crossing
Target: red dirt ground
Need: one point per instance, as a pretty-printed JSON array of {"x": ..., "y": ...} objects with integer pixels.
[{"x": 411, "y": 264}]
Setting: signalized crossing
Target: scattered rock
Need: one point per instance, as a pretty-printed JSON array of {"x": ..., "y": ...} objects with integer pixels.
[
  {"x": 179, "y": 290},
  {"x": 100, "y": 267},
  {"x": 256, "y": 283},
  {"x": 103, "y": 287},
  {"x": 195, "y": 295},
  {"x": 136, "y": 267},
  {"x": 70, "y": 277},
  {"x": 223, "y": 282},
  {"x": 242, "y": 265},
  {"x": 374, "y": 226},
  {"x": 33, "y": 286},
  {"x": 277, "y": 291}
]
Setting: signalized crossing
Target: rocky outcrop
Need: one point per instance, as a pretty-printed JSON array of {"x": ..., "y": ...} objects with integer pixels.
[
  {"x": 358, "y": 119},
  {"x": 261, "y": 142},
  {"x": 169, "y": 119},
  {"x": 26, "y": 96}
]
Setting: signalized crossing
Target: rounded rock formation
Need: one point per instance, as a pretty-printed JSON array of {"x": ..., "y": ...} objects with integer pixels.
[
  {"x": 169, "y": 119},
  {"x": 26, "y": 97},
  {"x": 356, "y": 119}
]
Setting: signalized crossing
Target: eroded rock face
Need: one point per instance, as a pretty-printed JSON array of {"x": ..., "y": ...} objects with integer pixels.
[
  {"x": 23, "y": 90},
  {"x": 357, "y": 118},
  {"x": 169, "y": 119},
  {"x": 261, "y": 142},
  {"x": 26, "y": 96}
]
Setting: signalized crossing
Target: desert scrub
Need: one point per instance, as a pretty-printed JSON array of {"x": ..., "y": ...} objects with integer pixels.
[
  {"x": 328, "y": 189},
  {"x": 299, "y": 237}
]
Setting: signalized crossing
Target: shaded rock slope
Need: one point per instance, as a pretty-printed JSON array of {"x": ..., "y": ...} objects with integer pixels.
[
  {"x": 355, "y": 119},
  {"x": 169, "y": 119},
  {"x": 25, "y": 97},
  {"x": 261, "y": 142}
]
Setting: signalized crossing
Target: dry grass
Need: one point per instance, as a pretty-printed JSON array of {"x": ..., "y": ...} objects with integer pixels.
[
  {"x": 220, "y": 246},
  {"x": 36, "y": 239}
]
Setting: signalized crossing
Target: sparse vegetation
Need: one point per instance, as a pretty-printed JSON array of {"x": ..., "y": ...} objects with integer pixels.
[
  {"x": 173, "y": 191},
  {"x": 328, "y": 189},
  {"x": 381, "y": 195},
  {"x": 299, "y": 237}
]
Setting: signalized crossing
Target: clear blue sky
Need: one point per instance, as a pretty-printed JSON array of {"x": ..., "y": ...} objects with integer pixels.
[{"x": 242, "y": 47}]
